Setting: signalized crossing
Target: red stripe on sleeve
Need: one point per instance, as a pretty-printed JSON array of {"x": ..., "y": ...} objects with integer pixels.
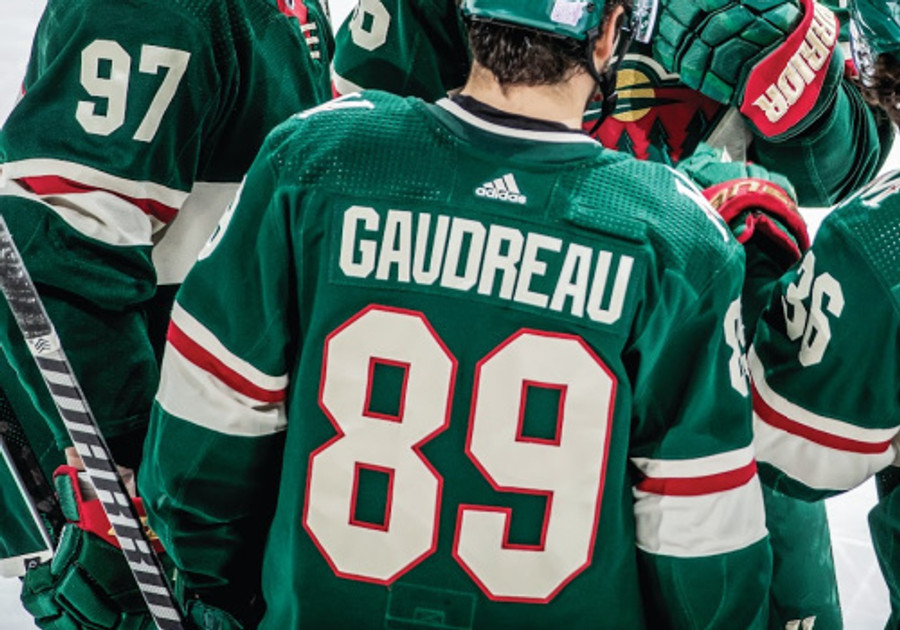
[
  {"x": 199, "y": 356},
  {"x": 778, "y": 420},
  {"x": 53, "y": 185},
  {"x": 696, "y": 486}
]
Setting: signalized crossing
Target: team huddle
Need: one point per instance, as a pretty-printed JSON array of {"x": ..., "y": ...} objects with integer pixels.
[{"x": 477, "y": 314}]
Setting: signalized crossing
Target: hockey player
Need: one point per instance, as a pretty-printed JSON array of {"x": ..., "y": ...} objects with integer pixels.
[
  {"x": 456, "y": 364},
  {"x": 823, "y": 363},
  {"x": 697, "y": 121},
  {"x": 136, "y": 123},
  {"x": 696, "y": 80}
]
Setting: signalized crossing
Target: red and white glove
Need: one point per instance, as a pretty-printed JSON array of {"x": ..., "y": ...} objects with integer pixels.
[
  {"x": 776, "y": 60},
  {"x": 762, "y": 211}
]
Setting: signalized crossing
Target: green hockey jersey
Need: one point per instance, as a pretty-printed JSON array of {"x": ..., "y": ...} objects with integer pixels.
[
  {"x": 136, "y": 124},
  {"x": 418, "y": 48},
  {"x": 825, "y": 376},
  {"x": 444, "y": 372}
]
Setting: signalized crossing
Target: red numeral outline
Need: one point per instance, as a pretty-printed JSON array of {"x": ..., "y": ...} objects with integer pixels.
[{"x": 416, "y": 448}]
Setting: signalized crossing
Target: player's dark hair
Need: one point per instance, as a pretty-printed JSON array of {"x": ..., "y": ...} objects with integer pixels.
[
  {"x": 523, "y": 56},
  {"x": 884, "y": 87}
]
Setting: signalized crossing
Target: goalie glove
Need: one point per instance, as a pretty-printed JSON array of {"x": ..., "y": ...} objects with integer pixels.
[
  {"x": 773, "y": 59},
  {"x": 88, "y": 583}
]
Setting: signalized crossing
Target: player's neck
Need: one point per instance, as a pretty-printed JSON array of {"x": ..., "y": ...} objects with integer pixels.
[{"x": 563, "y": 102}]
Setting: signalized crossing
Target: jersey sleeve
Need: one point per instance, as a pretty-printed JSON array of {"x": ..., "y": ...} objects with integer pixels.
[
  {"x": 122, "y": 114},
  {"x": 836, "y": 154},
  {"x": 112, "y": 118},
  {"x": 407, "y": 47},
  {"x": 700, "y": 523},
  {"x": 824, "y": 371},
  {"x": 212, "y": 455},
  {"x": 129, "y": 111}
]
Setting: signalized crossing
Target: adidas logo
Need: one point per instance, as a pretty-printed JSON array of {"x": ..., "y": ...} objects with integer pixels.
[{"x": 503, "y": 189}]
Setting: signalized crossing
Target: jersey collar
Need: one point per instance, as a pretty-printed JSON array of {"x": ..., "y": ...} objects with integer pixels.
[{"x": 510, "y": 126}]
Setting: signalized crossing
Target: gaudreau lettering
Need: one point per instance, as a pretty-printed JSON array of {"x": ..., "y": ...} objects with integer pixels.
[{"x": 464, "y": 255}]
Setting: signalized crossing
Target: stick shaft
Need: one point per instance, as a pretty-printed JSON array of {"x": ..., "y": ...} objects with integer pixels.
[
  {"x": 32, "y": 319},
  {"x": 35, "y": 485}
]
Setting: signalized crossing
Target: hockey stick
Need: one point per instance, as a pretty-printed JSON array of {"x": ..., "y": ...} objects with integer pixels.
[
  {"x": 45, "y": 347},
  {"x": 12, "y": 563},
  {"x": 36, "y": 488}
]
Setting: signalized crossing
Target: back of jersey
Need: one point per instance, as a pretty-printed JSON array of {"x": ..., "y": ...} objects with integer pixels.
[
  {"x": 473, "y": 328},
  {"x": 824, "y": 373}
]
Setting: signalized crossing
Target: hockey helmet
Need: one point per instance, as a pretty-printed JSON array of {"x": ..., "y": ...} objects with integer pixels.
[
  {"x": 874, "y": 29},
  {"x": 578, "y": 19}
]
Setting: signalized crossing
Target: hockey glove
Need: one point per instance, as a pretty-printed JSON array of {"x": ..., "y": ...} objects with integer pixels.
[
  {"x": 760, "y": 208},
  {"x": 774, "y": 59},
  {"x": 764, "y": 219},
  {"x": 88, "y": 583},
  {"x": 202, "y": 616}
]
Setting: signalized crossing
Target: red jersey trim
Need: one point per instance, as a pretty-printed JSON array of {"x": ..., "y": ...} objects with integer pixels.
[
  {"x": 696, "y": 486},
  {"x": 778, "y": 420},
  {"x": 44, "y": 185},
  {"x": 205, "y": 360}
]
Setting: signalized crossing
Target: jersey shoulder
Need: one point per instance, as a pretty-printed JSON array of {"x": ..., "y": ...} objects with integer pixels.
[
  {"x": 661, "y": 207},
  {"x": 408, "y": 47},
  {"x": 361, "y": 140},
  {"x": 871, "y": 220}
]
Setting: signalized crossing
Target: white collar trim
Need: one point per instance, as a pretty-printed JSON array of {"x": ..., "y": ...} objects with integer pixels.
[{"x": 512, "y": 132}]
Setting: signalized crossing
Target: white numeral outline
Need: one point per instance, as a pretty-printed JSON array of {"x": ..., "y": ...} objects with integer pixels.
[
  {"x": 811, "y": 324},
  {"x": 511, "y": 572},
  {"x": 152, "y": 59},
  {"x": 372, "y": 553},
  {"x": 568, "y": 469},
  {"x": 114, "y": 88},
  {"x": 376, "y": 35}
]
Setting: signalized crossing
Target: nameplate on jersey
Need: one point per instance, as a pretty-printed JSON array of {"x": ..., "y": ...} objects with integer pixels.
[{"x": 512, "y": 264}]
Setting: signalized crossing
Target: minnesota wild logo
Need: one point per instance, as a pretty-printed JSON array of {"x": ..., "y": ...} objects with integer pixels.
[{"x": 657, "y": 117}]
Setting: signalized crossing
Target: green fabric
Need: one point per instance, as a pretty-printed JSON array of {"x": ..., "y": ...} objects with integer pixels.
[
  {"x": 803, "y": 577},
  {"x": 236, "y": 87},
  {"x": 884, "y": 525},
  {"x": 88, "y": 585},
  {"x": 68, "y": 501},
  {"x": 887, "y": 480},
  {"x": 714, "y": 44},
  {"x": 838, "y": 367},
  {"x": 250, "y": 66},
  {"x": 416, "y": 48},
  {"x": 208, "y": 482},
  {"x": 98, "y": 319},
  {"x": 22, "y": 540},
  {"x": 419, "y": 48},
  {"x": 816, "y": 161},
  {"x": 202, "y": 616},
  {"x": 22, "y": 535},
  {"x": 707, "y": 605},
  {"x": 765, "y": 262},
  {"x": 38, "y": 435},
  {"x": 707, "y": 167}
]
